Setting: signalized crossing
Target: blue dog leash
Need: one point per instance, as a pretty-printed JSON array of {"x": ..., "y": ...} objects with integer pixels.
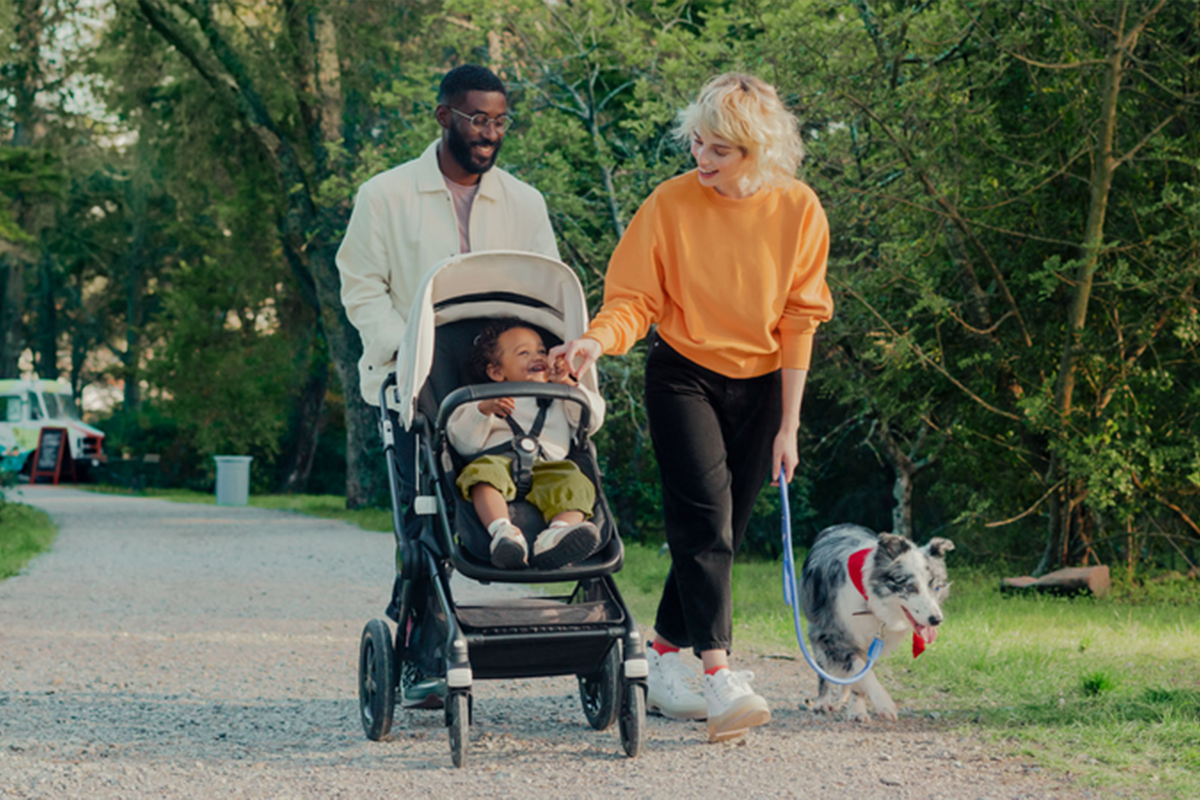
[{"x": 790, "y": 594}]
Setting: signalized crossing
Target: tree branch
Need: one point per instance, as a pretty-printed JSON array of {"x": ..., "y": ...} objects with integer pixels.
[
  {"x": 1026, "y": 512},
  {"x": 921, "y": 353}
]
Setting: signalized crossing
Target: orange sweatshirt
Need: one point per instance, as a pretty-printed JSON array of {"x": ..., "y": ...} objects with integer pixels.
[{"x": 737, "y": 286}]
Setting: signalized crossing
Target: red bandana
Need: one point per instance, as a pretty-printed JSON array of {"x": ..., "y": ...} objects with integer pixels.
[{"x": 855, "y": 565}]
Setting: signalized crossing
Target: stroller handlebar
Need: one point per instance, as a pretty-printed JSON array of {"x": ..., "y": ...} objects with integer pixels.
[{"x": 489, "y": 391}]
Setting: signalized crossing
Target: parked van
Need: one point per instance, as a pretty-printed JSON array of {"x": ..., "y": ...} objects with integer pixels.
[{"x": 28, "y": 406}]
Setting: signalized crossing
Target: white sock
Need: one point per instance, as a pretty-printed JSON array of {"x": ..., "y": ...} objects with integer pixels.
[
  {"x": 558, "y": 523},
  {"x": 498, "y": 525}
]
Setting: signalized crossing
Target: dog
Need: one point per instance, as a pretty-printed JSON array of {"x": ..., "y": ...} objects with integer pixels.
[{"x": 857, "y": 585}]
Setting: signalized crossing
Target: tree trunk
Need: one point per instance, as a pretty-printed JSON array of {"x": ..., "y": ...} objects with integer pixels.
[
  {"x": 308, "y": 422},
  {"x": 906, "y": 467},
  {"x": 25, "y": 71},
  {"x": 1104, "y": 165},
  {"x": 311, "y": 231},
  {"x": 135, "y": 269},
  {"x": 12, "y": 299},
  {"x": 47, "y": 336}
]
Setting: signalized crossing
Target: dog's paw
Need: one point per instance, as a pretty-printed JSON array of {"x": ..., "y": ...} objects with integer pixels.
[
  {"x": 823, "y": 705},
  {"x": 887, "y": 714},
  {"x": 857, "y": 710}
]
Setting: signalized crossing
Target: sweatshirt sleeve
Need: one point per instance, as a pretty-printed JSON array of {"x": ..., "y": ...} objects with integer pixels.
[
  {"x": 633, "y": 286},
  {"x": 468, "y": 429},
  {"x": 809, "y": 302}
]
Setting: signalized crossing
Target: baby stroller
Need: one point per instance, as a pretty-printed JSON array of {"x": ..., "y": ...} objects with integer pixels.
[{"x": 441, "y": 646}]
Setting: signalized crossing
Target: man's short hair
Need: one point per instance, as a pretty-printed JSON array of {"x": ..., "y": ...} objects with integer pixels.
[{"x": 469, "y": 78}]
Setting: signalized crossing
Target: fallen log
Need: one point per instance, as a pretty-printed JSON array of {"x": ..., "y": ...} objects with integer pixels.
[{"x": 1073, "y": 580}]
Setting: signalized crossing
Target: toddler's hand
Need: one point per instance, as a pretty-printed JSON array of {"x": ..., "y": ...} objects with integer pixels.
[
  {"x": 499, "y": 407},
  {"x": 560, "y": 374}
]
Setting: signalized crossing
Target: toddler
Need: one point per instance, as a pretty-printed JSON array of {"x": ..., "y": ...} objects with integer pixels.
[{"x": 509, "y": 350}]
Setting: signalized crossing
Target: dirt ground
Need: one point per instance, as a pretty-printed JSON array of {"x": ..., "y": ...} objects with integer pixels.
[{"x": 170, "y": 650}]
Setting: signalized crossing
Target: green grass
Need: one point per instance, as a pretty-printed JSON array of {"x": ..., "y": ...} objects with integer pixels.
[
  {"x": 24, "y": 532},
  {"x": 1105, "y": 689}
]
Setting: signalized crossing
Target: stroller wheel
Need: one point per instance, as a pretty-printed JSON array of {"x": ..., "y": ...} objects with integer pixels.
[
  {"x": 376, "y": 679},
  {"x": 600, "y": 691},
  {"x": 458, "y": 719},
  {"x": 633, "y": 718}
]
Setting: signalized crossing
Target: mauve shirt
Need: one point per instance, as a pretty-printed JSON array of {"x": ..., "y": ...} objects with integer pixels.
[{"x": 464, "y": 197}]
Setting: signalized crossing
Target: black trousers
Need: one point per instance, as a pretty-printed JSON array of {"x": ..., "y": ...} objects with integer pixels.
[{"x": 713, "y": 436}]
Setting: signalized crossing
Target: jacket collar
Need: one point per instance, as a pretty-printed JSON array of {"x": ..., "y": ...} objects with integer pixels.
[{"x": 430, "y": 178}]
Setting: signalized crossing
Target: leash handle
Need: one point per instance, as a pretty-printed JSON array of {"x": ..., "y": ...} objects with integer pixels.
[{"x": 790, "y": 596}]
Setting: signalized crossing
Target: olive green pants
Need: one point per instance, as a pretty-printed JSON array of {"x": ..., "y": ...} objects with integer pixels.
[{"x": 558, "y": 486}]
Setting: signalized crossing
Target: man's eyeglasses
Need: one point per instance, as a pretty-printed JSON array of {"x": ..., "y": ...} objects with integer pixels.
[{"x": 480, "y": 121}]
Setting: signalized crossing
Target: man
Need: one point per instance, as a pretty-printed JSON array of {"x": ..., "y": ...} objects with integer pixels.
[{"x": 450, "y": 200}]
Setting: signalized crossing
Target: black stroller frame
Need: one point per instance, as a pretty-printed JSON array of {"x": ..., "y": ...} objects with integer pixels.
[{"x": 589, "y": 633}]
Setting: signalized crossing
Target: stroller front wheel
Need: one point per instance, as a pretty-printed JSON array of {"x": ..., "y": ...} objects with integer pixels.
[
  {"x": 633, "y": 718},
  {"x": 458, "y": 720},
  {"x": 376, "y": 679}
]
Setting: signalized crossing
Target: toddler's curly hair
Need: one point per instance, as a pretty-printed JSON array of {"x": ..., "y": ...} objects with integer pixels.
[{"x": 486, "y": 349}]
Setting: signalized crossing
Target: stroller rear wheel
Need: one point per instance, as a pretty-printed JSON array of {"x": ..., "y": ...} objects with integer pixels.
[
  {"x": 601, "y": 690},
  {"x": 633, "y": 718},
  {"x": 376, "y": 679},
  {"x": 458, "y": 720}
]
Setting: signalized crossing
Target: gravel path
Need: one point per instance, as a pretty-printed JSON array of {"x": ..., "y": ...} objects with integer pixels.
[{"x": 170, "y": 650}]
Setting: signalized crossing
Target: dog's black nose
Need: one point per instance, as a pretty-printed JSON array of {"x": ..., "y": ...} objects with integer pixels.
[{"x": 935, "y": 619}]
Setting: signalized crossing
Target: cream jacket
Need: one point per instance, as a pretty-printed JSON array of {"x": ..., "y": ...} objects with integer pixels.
[{"x": 403, "y": 224}]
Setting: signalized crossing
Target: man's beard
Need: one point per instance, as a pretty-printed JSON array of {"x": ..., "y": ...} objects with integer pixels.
[{"x": 460, "y": 149}]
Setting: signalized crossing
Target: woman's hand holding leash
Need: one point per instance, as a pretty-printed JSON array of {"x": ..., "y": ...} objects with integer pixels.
[
  {"x": 784, "y": 455},
  {"x": 578, "y": 354}
]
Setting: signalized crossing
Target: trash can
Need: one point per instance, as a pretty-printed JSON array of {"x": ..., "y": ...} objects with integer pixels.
[{"x": 233, "y": 480}]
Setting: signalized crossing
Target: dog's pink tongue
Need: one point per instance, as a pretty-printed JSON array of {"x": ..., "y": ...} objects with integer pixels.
[{"x": 927, "y": 632}]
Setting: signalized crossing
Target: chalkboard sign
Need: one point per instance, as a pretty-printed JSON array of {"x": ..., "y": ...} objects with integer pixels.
[
  {"x": 48, "y": 447},
  {"x": 53, "y": 456}
]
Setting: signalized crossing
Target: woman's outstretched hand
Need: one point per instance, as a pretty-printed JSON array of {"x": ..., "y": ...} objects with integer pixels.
[{"x": 578, "y": 354}]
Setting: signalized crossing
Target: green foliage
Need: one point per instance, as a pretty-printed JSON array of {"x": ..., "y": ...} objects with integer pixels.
[
  {"x": 227, "y": 373},
  {"x": 957, "y": 175}
]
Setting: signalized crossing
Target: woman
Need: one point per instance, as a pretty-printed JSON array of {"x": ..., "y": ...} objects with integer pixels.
[{"x": 729, "y": 261}]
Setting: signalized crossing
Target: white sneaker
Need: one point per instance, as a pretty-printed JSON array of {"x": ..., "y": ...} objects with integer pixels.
[
  {"x": 668, "y": 691},
  {"x": 561, "y": 545},
  {"x": 733, "y": 707},
  {"x": 508, "y": 545}
]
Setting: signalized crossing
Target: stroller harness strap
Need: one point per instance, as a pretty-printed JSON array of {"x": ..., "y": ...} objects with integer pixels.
[{"x": 524, "y": 448}]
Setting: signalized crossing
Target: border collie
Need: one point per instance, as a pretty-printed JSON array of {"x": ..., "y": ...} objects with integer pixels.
[{"x": 855, "y": 586}]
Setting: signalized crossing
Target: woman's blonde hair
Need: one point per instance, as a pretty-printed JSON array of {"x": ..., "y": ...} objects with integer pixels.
[{"x": 747, "y": 113}]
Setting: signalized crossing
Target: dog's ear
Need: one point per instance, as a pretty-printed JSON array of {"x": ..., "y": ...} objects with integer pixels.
[
  {"x": 937, "y": 547},
  {"x": 893, "y": 546}
]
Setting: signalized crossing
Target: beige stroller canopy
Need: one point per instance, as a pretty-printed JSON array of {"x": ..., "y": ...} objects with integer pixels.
[{"x": 496, "y": 283}]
